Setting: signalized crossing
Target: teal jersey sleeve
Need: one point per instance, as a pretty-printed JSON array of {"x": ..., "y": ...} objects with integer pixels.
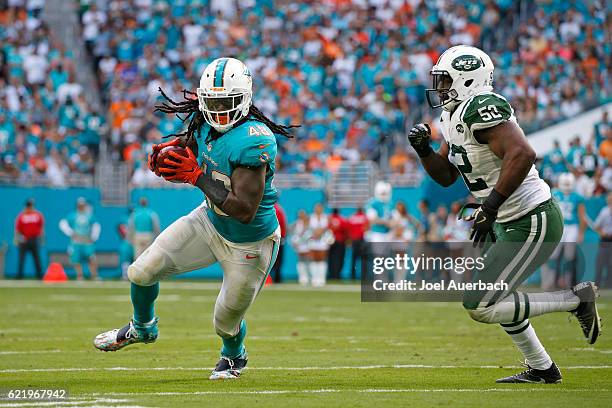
[{"x": 257, "y": 148}]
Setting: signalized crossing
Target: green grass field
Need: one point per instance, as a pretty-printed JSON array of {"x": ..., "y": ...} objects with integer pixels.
[{"x": 307, "y": 348}]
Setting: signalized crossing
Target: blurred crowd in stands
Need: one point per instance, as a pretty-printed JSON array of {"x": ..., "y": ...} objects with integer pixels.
[
  {"x": 47, "y": 129},
  {"x": 590, "y": 162},
  {"x": 351, "y": 72}
]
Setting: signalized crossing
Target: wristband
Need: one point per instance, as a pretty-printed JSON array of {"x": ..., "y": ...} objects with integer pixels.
[
  {"x": 494, "y": 201},
  {"x": 426, "y": 152}
]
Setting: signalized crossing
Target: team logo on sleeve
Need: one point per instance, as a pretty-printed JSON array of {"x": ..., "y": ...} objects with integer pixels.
[
  {"x": 459, "y": 128},
  {"x": 264, "y": 157}
]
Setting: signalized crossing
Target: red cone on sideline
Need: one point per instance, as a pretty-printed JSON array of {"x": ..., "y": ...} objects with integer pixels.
[
  {"x": 268, "y": 281},
  {"x": 55, "y": 273}
]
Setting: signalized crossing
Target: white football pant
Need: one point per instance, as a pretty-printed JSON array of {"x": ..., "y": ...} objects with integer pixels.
[{"x": 192, "y": 242}]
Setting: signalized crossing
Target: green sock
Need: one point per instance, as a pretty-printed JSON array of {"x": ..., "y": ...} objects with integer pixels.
[
  {"x": 143, "y": 300},
  {"x": 233, "y": 347}
]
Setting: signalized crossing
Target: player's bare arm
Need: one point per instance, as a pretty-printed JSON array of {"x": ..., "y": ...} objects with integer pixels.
[
  {"x": 436, "y": 164},
  {"x": 242, "y": 201},
  {"x": 508, "y": 142}
]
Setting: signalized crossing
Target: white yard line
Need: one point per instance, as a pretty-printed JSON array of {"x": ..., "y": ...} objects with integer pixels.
[
  {"x": 312, "y": 368},
  {"x": 68, "y": 402},
  {"x": 365, "y": 391},
  {"x": 5, "y": 353},
  {"x": 186, "y": 285}
]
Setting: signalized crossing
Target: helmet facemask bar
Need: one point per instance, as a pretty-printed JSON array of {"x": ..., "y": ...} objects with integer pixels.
[
  {"x": 222, "y": 110},
  {"x": 441, "y": 93}
]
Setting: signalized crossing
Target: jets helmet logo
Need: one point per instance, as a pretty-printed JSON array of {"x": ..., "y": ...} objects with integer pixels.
[{"x": 466, "y": 63}]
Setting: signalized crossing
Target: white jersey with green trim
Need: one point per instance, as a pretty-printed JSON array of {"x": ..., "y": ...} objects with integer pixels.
[{"x": 478, "y": 165}]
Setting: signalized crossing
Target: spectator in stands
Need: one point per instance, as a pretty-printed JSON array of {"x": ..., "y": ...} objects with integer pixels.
[
  {"x": 320, "y": 241},
  {"x": 335, "y": 259},
  {"x": 29, "y": 235},
  {"x": 357, "y": 227},
  {"x": 83, "y": 230},
  {"x": 352, "y": 88},
  {"x": 605, "y": 180},
  {"x": 276, "y": 271},
  {"x": 603, "y": 227},
  {"x": 574, "y": 153},
  {"x": 605, "y": 148},
  {"x": 553, "y": 163},
  {"x": 588, "y": 171},
  {"x": 400, "y": 161},
  {"x": 601, "y": 128},
  {"x": 143, "y": 227}
]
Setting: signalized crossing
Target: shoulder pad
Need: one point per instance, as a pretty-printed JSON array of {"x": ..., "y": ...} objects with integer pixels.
[
  {"x": 485, "y": 111},
  {"x": 256, "y": 146}
]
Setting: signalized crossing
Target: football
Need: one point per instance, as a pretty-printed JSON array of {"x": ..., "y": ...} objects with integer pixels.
[{"x": 164, "y": 154}]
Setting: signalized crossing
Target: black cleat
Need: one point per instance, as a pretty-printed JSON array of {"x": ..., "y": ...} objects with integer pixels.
[
  {"x": 229, "y": 368},
  {"x": 551, "y": 375},
  {"x": 586, "y": 312}
]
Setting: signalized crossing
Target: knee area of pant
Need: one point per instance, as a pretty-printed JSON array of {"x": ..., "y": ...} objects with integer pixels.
[
  {"x": 480, "y": 314},
  {"x": 225, "y": 330},
  {"x": 145, "y": 271}
]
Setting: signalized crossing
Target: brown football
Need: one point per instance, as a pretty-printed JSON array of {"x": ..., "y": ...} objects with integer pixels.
[{"x": 163, "y": 154}]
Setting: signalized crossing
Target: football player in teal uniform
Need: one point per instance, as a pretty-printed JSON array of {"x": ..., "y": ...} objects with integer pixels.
[
  {"x": 574, "y": 225},
  {"x": 231, "y": 149},
  {"x": 84, "y": 231}
]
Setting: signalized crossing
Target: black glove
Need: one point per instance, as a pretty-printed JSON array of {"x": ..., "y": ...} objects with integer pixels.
[
  {"x": 484, "y": 218},
  {"x": 419, "y": 137}
]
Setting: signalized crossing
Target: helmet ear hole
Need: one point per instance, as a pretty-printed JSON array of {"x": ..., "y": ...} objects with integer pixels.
[{"x": 468, "y": 82}]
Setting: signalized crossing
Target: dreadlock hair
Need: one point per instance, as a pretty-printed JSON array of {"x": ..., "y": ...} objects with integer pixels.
[{"x": 190, "y": 107}]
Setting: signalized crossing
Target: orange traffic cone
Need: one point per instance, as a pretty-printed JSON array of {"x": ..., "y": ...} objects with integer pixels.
[
  {"x": 55, "y": 273},
  {"x": 268, "y": 281}
]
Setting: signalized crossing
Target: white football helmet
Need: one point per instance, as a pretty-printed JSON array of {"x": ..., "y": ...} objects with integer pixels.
[
  {"x": 225, "y": 93},
  {"x": 461, "y": 72},
  {"x": 382, "y": 191},
  {"x": 566, "y": 182}
]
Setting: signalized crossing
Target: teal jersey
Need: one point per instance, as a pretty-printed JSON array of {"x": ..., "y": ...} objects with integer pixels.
[
  {"x": 249, "y": 144},
  {"x": 383, "y": 211},
  {"x": 81, "y": 224},
  {"x": 569, "y": 204},
  {"x": 144, "y": 219}
]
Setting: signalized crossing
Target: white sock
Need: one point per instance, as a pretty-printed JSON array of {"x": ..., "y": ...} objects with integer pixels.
[
  {"x": 302, "y": 269},
  {"x": 319, "y": 270},
  {"x": 527, "y": 341}
]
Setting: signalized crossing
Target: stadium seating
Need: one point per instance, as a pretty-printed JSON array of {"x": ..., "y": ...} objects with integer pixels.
[{"x": 353, "y": 86}]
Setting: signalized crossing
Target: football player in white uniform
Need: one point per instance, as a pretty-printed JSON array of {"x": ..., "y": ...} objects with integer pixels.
[{"x": 516, "y": 216}]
